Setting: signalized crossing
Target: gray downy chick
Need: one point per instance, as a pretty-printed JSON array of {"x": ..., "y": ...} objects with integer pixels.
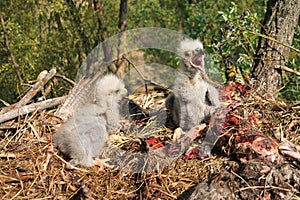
[
  {"x": 84, "y": 134},
  {"x": 109, "y": 91},
  {"x": 193, "y": 99}
]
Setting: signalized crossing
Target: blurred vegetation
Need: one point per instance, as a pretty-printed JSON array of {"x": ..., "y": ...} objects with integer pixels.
[{"x": 60, "y": 33}]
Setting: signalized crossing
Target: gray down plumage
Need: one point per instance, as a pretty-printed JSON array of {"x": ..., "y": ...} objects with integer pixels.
[
  {"x": 84, "y": 134},
  {"x": 193, "y": 99}
]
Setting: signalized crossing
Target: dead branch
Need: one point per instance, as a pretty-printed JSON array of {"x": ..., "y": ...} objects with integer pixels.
[
  {"x": 270, "y": 38},
  {"x": 31, "y": 108},
  {"x": 146, "y": 81},
  {"x": 285, "y": 68},
  {"x": 7, "y": 155},
  {"x": 16, "y": 65},
  {"x": 4, "y": 102},
  {"x": 66, "y": 79},
  {"x": 16, "y": 178},
  {"x": 43, "y": 78}
]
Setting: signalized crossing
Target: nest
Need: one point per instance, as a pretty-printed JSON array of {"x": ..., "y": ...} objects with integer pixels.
[{"x": 31, "y": 168}]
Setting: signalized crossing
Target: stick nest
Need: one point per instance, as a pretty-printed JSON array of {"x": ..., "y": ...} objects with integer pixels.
[{"x": 31, "y": 168}]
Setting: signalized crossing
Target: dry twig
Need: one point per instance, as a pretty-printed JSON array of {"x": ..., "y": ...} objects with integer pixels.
[
  {"x": 66, "y": 79},
  {"x": 49, "y": 103},
  {"x": 43, "y": 78},
  {"x": 285, "y": 68}
]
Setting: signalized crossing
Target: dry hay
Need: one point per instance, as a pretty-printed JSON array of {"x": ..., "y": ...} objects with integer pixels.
[{"x": 32, "y": 169}]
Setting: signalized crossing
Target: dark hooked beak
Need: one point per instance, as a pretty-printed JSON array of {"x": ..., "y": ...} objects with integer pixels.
[{"x": 198, "y": 61}]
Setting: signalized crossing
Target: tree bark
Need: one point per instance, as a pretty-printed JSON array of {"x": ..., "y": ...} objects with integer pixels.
[
  {"x": 122, "y": 15},
  {"x": 120, "y": 65},
  {"x": 280, "y": 21},
  {"x": 102, "y": 30}
]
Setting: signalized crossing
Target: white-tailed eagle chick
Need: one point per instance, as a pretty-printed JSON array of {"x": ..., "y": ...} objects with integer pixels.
[
  {"x": 193, "y": 99},
  {"x": 84, "y": 134}
]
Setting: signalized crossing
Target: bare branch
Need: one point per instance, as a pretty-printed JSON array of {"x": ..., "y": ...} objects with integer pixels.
[
  {"x": 31, "y": 108},
  {"x": 4, "y": 102},
  {"x": 146, "y": 81},
  {"x": 43, "y": 78},
  {"x": 66, "y": 79},
  {"x": 285, "y": 68}
]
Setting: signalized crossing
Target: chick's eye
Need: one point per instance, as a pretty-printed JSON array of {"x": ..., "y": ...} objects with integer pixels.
[
  {"x": 187, "y": 53},
  {"x": 117, "y": 91}
]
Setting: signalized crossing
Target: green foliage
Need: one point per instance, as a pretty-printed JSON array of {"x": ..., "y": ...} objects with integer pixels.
[
  {"x": 239, "y": 38},
  {"x": 204, "y": 20},
  {"x": 154, "y": 13},
  {"x": 236, "y": 37},
  {"x": 46, "y": 34},
  {"x": 60, "y": 33}
]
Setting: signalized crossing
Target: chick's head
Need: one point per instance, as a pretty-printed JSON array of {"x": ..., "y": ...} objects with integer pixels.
[
  {"x": 110, "y": 86},
  {"x": 192, "y": 55}
]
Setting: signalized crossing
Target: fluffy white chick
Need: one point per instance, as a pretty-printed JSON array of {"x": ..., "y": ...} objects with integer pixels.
[
  {"x": 109, "y": 91},
  {"x": 193, "y": 99},
  {"x": 84, "y": 134}
]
